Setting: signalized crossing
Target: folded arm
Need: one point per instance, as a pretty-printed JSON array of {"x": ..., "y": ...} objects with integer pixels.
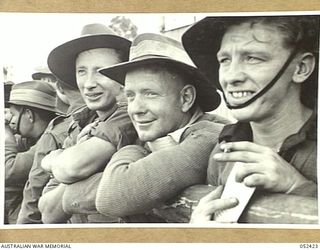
[
  {"x": 134, "y": 182},
  {"x": 79, "y": 161}
]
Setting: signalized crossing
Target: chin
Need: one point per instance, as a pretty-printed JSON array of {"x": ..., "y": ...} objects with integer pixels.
[
  {"x": 147, "y": 137},
  {"x": 95, "y": 106},
  {"x": 243, "y": 115}
]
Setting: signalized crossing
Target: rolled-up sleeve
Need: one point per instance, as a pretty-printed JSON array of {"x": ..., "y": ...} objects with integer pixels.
[
  {"x": 117, "y": 130},
  {"x": 79, "y": 197}
]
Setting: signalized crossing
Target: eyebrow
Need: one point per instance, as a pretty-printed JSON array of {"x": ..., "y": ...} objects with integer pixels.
[{"x": 244, "y": 52}]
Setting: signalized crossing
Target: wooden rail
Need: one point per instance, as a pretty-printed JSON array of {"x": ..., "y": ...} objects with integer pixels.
[{"x": 263, "y": 208}]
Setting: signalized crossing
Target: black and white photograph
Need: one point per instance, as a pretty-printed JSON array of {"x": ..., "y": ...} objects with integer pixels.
[{"x": 193, "y": 120}]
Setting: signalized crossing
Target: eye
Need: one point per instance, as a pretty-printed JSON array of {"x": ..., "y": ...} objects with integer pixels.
[
  {"x": 81, "y": 72},
  {"x": 129, "y": 96},
  {"x": 254, "y": 59},
  {"x": 150, "y": 94},
  {"x": 224, "y": 60}
]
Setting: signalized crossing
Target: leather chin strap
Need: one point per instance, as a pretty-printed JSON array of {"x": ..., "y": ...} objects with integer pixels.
[{"x": 267, "y": 87}]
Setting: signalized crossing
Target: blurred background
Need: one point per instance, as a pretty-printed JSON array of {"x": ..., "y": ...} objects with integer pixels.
[{"x": 27, "y": 38}]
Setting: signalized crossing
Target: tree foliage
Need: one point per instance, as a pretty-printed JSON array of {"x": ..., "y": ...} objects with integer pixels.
[{"x": 124, "y": 27}]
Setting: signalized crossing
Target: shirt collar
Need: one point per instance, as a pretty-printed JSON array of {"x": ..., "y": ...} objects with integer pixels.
[
  {"x": 84, "y": 116},
  {"x": 176, "y": 135},
  {"x": 242, "y": 132},
  {"x": 173, "y": 138},
  {"x": 109, "y": 113}
]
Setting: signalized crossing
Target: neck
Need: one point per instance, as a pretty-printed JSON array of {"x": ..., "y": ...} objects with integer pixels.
[
  {"x": 285, "y": 122},
  {"x": 38, "y": 130},
  {"x": 104, "y": 114}
]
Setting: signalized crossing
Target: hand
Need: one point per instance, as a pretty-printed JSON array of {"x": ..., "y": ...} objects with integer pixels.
[
  {"x": 9, "y": 136},
  {"x": 46, "y": 162},
  {"x": 263, "y": 167},
  {"x": 85, "y": 132},
  {"x": 7, "y": 116},
  {"x": 210, "y": 204}
]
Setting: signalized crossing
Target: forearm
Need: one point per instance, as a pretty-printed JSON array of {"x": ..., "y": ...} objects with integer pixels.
[
  {"x": 82, "y": 160},
  {"x": 50, "y": 206}
]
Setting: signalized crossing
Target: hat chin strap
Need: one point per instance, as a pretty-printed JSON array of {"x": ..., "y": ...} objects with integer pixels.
[
  {"x": 19, "y": 120},
  {"x": 266, "y": 88}
]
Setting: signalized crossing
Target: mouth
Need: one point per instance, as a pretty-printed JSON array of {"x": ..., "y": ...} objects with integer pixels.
[
  {"x": 239, "y": 97},
  {"x": 143, "y": 123},
  {"x": 93, "y": 96},
  {"x": 241, "y": 94}
]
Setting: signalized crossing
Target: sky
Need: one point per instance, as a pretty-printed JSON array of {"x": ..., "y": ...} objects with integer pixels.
[{"x": 27, "y": 38}]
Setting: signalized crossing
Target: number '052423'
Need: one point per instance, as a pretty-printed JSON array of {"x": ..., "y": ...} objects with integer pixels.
[{"x": 309, "y": 245}]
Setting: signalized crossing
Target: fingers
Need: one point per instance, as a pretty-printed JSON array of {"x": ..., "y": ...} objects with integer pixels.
[
  {"x": 247, "y": 169},
  {"x": 45, "y": 164},
  {"x": 215, "y": 194},
  {"x": 255, "y": 180},
  {"x": 219, "y": 204},
  {"x": 244, "y": 146},
  {"x": 82, "y": 138},
  {"x": 210, "y": 204},
  {"x": 251, "y": 174},
  {"x": 234, "y": 156}
]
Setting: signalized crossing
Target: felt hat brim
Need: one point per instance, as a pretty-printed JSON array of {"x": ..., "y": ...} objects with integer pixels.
[
  {"x": 35, "y": 105},
  {"x": 207, "y": 97},
  {"x": 61, "y": 60}
]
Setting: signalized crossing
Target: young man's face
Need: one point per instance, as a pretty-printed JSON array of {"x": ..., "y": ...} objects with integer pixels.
[
  {"x": 98, "y": 91},
  {"x": 154, "y": 102},
  {"x": 249, "y": 58}
]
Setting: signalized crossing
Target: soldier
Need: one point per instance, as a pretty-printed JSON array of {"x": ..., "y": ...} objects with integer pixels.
[
  {"x": 167, "y": 100},
  {"x": 76, "y": 63},
  {"x": 52, "y": 139},
  {"x": 32, "y": 105},
  {"x": 267, "y": 68}
]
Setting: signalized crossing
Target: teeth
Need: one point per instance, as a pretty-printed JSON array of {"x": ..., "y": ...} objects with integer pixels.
[
  {"x": 240, "y": 94},
  {"x": 93, "y": 95}
]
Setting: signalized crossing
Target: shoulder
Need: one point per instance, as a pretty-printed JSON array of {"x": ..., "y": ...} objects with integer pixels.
[
  {"x": 215, "y": 118},
  {"x": 59, "y": 121},
  {"x": 119, "y": 119},
  {"x": 209, "y": 123}
]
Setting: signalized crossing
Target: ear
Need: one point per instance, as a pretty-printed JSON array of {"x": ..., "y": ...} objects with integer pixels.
[
  {"x": 188, "y": 97},
  {"x": 304, "y": 67},
  {"x": 59, "y": 88},
  {"x": 30, "y": 115}
]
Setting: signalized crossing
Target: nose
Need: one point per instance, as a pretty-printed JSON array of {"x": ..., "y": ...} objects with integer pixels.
[
  {"x": 136, "y": 106},
  {"x": 91, "y": 80},
  {"x": 232, "y": 74}
]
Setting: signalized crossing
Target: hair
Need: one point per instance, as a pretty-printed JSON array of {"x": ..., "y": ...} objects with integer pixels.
[
  {"x": 123, "y": 55},
  {"x": 299, "y": 32},
  {"x": 65, "y": 86}
]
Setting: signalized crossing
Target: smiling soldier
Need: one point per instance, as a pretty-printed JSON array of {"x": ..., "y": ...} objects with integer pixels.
[
  {"x": 167, "y": 98},
  {"x": 76, "y": 63},
  {"x": 267, "y": 70}
]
